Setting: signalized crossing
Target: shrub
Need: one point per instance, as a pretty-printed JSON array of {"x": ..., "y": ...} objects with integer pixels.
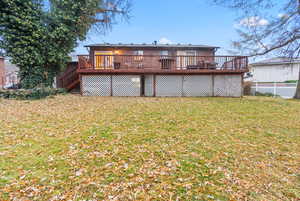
[
  {"x": 30, "y": 94},
  {"x": 267, "y": 94},
  {"x": 291, "y": 81}
]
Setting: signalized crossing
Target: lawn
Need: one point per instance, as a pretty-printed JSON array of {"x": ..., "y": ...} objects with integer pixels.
[{"x": 93, "y": 148}]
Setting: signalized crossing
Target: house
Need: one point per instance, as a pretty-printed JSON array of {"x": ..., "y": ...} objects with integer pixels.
[
  {"x": 279, "y": 69},
  {"x": 11, "y": 74},
  {"x": 155, "y": 70}
]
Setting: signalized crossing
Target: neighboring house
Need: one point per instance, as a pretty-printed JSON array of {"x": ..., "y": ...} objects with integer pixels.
[
  {"x": 8, "y": 73},
  {"x": 155, "y": 70},
  {"x": 2, "y": 80},
  {"x": 279, "y": 69},
  {"x": 11, "y": 74}
]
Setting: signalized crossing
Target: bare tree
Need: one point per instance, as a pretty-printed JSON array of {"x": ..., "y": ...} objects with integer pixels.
[
  {"x": 106, "y": 16},
  {"x": 267, "y": 27}
]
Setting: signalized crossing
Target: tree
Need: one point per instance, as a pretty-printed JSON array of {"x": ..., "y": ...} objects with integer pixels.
[
  {"x": 39, "y": 35},
  {"x": 267, "y": 27}
]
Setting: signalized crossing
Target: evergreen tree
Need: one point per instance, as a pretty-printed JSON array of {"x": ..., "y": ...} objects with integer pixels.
[{"x": 39, "y": 35}]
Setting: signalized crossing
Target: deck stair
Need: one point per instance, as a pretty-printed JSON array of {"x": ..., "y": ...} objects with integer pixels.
[{"x": 69, "y": 79}]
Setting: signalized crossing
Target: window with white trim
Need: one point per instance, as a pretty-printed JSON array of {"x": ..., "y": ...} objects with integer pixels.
[{"x": 138, "y": 55}]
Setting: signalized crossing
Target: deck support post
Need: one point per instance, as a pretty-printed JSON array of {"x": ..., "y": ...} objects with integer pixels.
[
  {"x": 243, "y": 81},
  {"x": 80, "y": 84},
  {"x": 111, "y": 85},
  {"x": 213, "y": 84},
  {"x": 154, "y": 85}
]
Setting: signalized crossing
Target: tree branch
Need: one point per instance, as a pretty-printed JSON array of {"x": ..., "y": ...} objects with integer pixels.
[{"x": 277, "y": 46}]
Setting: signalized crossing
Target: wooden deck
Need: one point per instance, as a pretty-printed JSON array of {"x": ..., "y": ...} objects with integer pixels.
[
  {"x": 147, "y": 64},
  {"x": 151, "y": 64}
]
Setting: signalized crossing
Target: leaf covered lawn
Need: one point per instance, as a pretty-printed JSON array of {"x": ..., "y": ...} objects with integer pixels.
[{"x": 94, "y": 148}]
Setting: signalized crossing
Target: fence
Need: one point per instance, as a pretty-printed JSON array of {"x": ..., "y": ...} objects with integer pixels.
[{"x": 284, "y": 90}]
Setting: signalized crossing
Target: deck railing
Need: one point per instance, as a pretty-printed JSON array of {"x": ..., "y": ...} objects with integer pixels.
[
  {"x": 151, "y": 62},
  {"x": 69, "y": 76}
]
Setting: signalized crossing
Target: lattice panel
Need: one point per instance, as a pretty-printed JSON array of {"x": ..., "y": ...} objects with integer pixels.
[
  {"x": 228, "y": 85},
  {"x": 168, "y": 85},
  {"x": 197, "y": 85},
  {"x": 189, "y": 85},
  {"x": 126, "y": 85},
  {"x": 96, "y": 85}
]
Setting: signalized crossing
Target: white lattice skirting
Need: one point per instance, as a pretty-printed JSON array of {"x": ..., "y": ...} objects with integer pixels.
[{"x": 162, "y": 85}]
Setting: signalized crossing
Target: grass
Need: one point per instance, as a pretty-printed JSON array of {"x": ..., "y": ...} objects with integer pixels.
[{"x": 92, "y": 148}]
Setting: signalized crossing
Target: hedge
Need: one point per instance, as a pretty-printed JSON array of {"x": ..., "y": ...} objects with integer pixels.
[{"x": 30, "y": 94}]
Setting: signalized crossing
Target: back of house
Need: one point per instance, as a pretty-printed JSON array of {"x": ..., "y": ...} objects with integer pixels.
[{"x": 157, "y": 70}]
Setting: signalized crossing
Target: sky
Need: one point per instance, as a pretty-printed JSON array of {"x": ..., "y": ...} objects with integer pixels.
[{"x": 174, "y": 21}]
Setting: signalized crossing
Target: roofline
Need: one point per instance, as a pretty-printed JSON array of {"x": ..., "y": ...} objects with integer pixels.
[
  {"x": 274, "y": 63},
  {"x": 153, "y": 46}
]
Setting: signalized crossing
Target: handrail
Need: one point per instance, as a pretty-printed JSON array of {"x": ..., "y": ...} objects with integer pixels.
[
  {"x": 153, "y": 55},
  {"x": 163, "y": 62},
  {"x": 68, "y": 77}
]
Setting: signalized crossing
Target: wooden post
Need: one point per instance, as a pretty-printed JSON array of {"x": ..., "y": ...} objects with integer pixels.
[
  {"x": 242, "y": 82},
  {"x": 154, "y": 85},
  {"x": 80, "y": 84},
  {"x": 213, "y": 84},
  {"x": 256, "y": 88},
  {"x": 111, "y": 85},
  {"x": 275, "y": 89}
]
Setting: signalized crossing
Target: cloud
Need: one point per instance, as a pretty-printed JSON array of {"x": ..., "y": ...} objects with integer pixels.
[
  {"x": 164, "y": 40},
  {"x": 253, "y": 22}
]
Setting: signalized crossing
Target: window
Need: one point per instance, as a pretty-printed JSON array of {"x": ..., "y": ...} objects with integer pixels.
[
  {"x": 186, "y": 58},
  {"x": 138, "y": 55},
  {"x": 138, "y": 52},
  {"x": 191, "y": 59},
  {"x": 103, "y": 59},
  {"x": 164, "y": 53},
  {"x": 190, "y": 53}
]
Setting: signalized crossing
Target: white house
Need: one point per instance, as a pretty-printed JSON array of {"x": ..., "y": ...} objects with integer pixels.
[{"x": 279, "y": 69}]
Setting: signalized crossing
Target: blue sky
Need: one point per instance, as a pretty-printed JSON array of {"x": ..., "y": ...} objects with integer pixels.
[{"x": 190, "y": 21}]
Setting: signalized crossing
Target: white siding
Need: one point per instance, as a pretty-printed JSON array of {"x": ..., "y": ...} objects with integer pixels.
[{"x": 275, "y": 73}]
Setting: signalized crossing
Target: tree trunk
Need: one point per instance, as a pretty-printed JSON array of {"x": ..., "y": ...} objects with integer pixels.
[{"x": 297, "y": 95}]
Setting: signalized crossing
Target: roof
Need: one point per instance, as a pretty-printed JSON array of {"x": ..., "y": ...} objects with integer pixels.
[
  {"x": 144, "y": 45},
  {"x": 276, "y": 61}
]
